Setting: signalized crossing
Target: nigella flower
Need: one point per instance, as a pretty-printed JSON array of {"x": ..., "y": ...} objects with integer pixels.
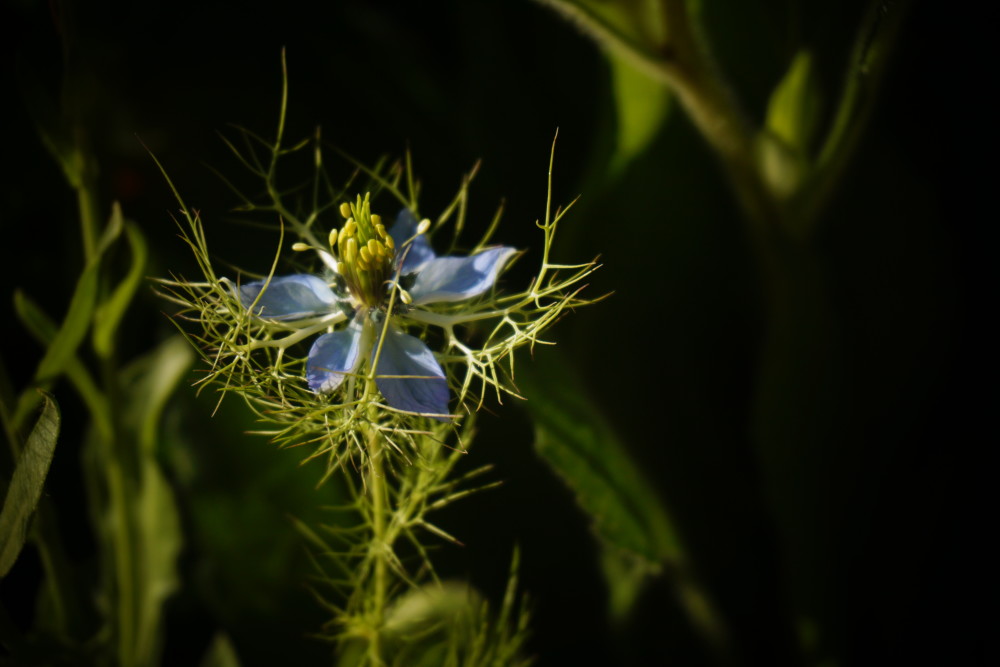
[{"x": 378, "y": 275}]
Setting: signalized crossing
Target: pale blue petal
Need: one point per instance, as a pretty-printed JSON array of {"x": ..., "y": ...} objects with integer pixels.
[
  {"x": 419, "y": 252},
  {"x": 425, "y": 390},
  {"x": 457, "y": 278},
  {"x": 288, "y": 297},
  {"x": 333, "y": 356}
]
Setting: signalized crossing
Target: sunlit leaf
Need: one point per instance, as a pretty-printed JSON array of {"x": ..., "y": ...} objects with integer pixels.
[{"x": 26, "y": 484}]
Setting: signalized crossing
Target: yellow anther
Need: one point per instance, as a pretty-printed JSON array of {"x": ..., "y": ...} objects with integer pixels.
[
  {"x": 365, "y": 254},
  {"x": 380, "y": 230},
  {"x": 350, "y": 227},
  {"x": 373, "y": 247},
  {"x": 345, "y": 210},
  {"x": 350, "y": 251},
  {"x": 333, "y": 238},
  {"x": 299, "y": 247},
  {"x": 389, "y": 243},
  {"x": 424, "y": 225},
  {"x": 376, "y": 219}
]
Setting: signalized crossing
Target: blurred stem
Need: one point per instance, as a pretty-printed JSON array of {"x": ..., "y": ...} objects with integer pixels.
[
  {"x": 377, "y": 489},
  {"x": 865, "y": 70},
  {"x": 683, "y": 64},
  {"x": 117, "y": 463},
  {"x": 88, "y": 211},
  {"x": 119, "y": 475}
]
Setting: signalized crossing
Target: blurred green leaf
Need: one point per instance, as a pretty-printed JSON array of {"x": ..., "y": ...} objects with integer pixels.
[
  {"x": 221, "y": 653},
  {"x": 152, "y": 381},
  {"x": 134, "y": 510},
  {"x": 158, "y": 539},
  {"x": 573, "y": 437},
  {"x": 633, "y": 526},
  {"x": 63, "y": 344},
  {"x": 158, "y": 545},
  {"x": 793, "y": 112},
  {"x": 641, "y": 104},
  {"x": 110, "y": 312},
  {"x": 74, "y": 326},
  {"x": 26, "y": 484},
  {"x": 44, "y": 330}
]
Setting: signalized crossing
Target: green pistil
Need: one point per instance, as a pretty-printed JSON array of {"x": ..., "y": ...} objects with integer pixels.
[{"x": 366, "y": 252}]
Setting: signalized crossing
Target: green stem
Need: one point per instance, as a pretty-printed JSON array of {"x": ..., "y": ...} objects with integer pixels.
[
  {"x": 684, "y": 65},
  {"x": 379, "y": 511},
  {"x": 89, "y": 219},
  {"x": 118, "y": 465},
  {"x": 377, "y": 486}
]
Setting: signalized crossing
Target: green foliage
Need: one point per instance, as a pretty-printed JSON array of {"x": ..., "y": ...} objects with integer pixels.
[
  {"x": 449, "y": 624},
  {"x": 793, "y": 112},
  {"x": 573, "y": 437},
  {"x": 109, "y": 314},
  {"x": 642, "y": 107},
  {"x": 630, "y": 521},
  {"x": 26, "y": 484},
  {"x": 221, "y": 653}
]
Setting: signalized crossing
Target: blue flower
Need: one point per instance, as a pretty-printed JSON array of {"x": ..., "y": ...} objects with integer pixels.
[{"x": 368, "y": 263}]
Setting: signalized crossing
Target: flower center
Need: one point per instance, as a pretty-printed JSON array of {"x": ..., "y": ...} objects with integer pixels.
[{"x": 366, "y": 252}]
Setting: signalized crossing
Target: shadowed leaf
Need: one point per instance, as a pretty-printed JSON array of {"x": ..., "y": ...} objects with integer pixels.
[{"x": 26, "y": 484}]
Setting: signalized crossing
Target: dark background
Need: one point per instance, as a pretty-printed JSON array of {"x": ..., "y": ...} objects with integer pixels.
[{"x": 866, "y": 507}]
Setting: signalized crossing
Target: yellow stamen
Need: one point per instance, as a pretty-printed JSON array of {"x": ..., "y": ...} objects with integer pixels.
[
  {"x": 299, "y": 247},
  {"x": 345, "y": 210},
  {"x": 333, "y": 237}
]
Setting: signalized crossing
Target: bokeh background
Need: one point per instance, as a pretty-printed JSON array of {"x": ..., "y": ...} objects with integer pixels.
[{"x": 834, "y": 509}]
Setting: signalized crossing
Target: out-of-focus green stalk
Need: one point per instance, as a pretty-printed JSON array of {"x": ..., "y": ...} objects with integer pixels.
[{"x": 377, "y": 489}]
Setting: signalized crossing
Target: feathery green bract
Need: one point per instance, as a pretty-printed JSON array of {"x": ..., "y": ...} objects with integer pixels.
[{"x": 264, "y": 360}]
